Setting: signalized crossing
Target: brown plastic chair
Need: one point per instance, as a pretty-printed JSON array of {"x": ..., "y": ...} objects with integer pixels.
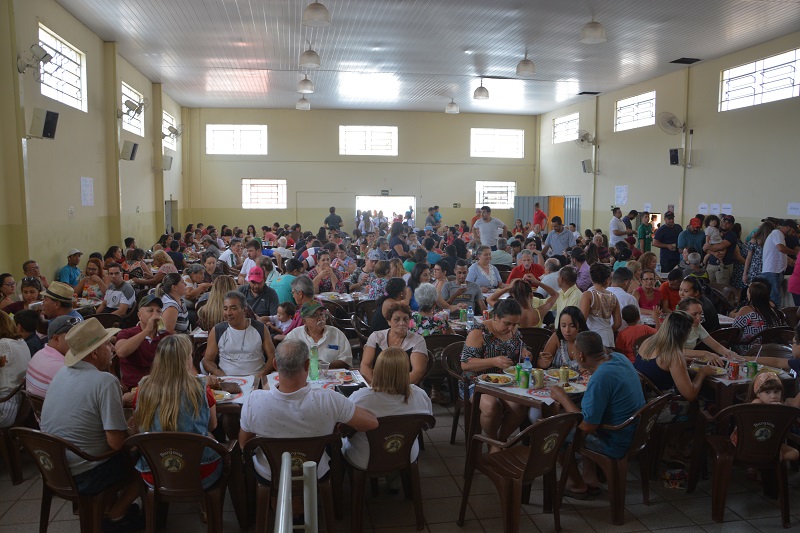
[
  {"x": 436, "y": 345},
  {"x": 365, "y": 309},
  {"x": 198, "y": 354},
  {"x": 514, "y": 468},
  {"x": 727, "y": 337},
  {"x": 792, "y": 315},
  {"x": 777, "y": 335},
  {"x": 8, "y": 450},
  {"x": 616, "y": 470},
  {"x": 458, "y": 384},
  {"x": 301, "y": 450},
  {"x": 178, "y": 479},
  {"x": 638, "y": 343},
  {"x": 390, "y": 446},
  {"x": 504, "y": 275},
  {"x": 36, "y": 404},
  {"x": 49, "y": 453},
  {"x": 535, "y": 339},
  {"x": 730, "y": 294},
  {"x": 108, "y": 320},
  {"x": 362, "y": 328},
  {"x": 762, "y": 430}
]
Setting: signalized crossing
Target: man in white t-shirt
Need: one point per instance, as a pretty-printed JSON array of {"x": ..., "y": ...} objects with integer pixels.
[
  {"x": 617, "y": 231},
  {"x": 620, "y": 281},
  {"x": 774, "y": 258},
  {"x": 489, "y": 228},
  {"x": 119, "y": 296},
  {"x": 294, "y": 410}
]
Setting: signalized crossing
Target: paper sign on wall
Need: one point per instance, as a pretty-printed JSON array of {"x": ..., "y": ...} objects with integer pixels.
[
  {"x": 793, "y": 209},
  {"x": 727, "y": 209},
  {"x": 715, "y": 209},
  {"x": 620, "y": 195},
  {"x": 702, "y": 209},
  {"x": 87, "y": 192},
  {"x": 648, "y": 207}
]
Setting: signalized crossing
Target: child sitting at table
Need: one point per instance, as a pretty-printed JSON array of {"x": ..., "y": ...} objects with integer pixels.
[
  {"x": 279, "y": 323},
  {"x": 628, "y": 336}
]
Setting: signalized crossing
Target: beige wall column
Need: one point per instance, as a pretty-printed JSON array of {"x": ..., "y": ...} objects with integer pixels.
[{"x": 112, "y": 148}]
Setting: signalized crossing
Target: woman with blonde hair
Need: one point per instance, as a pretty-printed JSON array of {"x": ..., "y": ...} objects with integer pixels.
[
  {"x": 92, "y": 284},
  {"x": 211, "y": 313},
  {"x": 172, "y": 398},
  {"x": 391, "y": 394},
  {"x": 164, "y": 264},
  {"x": 635, "y": 267}
]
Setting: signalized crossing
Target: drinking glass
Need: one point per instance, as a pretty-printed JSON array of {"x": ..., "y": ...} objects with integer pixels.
[{"x": 323, "y": 369}]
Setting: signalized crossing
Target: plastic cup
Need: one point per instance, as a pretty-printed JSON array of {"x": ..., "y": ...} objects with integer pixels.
[{"x": 323, "y": 369}]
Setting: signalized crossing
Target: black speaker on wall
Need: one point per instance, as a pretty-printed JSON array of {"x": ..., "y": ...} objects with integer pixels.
[{"x": 43, "y": 124}]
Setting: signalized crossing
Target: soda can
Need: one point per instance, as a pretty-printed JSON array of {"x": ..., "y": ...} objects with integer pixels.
[
  {"x": 752, "y": 369},
  {"x": 524, "y": 379},
  {"x": 734, "y": 368},
  {"x": 563, "y": 375},
  {"x": 485, "y": 314},
  {"x": 463, "y": 315},
  {"x": 517, "y": 377},
  {"x": 538, "y": 378}
]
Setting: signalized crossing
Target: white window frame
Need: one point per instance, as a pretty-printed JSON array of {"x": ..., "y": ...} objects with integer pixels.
[
  {"x": 489, "y": 193},
  {"x": 635, "y": 112},
  {"x": 256, "y": 193},
  {"x": 169, "y": 141},
  {"x": 64, "y": 78},
  {"x": 566, "y": 128},
  {"x": 242, "y": 139},
  {"x": 131, "y": 121},
  {"x": 368, "y": 140},
  {"x": 768, "y": 79},
  {"x": 497, "y": 142}
]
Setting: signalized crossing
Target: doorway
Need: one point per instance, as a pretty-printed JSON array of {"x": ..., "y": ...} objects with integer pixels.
[
  {"x": 392, "y": 206},
  {"x": 170, "y": 211}
]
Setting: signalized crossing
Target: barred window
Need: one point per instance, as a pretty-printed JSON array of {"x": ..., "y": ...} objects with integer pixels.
[
  {"x": 263, "y": 194},
  {"x": 236, "y": 139},
  {"x": 495, "y": 194},
  {"x": 64, "y": 78},
  {"x": 170, "y": 141},
  {"x": 565, "y": 128},
  {"x": 766, "y": 80},
  {"x": 635, "y": 112},
  {"x": 132, "y": 122},
  {"x": 493, "y": 142},
  {"x": 368, "y": 140}
]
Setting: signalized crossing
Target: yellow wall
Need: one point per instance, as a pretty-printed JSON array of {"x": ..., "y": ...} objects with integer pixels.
[{"x": 746, "y": 157}]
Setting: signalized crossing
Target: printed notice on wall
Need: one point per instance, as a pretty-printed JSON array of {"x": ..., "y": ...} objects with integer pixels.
[
  {"x": 620, "y": 195},
  {"x": 727, "y": 209},
  {"x": 793, "y": 209},
  {"x": 87, "y": 192},
  {"x": 648, "y": 207},
  {"x": 702, "y": 209},
  {"x": 715, "y": 209}
]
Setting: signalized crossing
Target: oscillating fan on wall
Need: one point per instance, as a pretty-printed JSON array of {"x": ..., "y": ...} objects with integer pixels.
[
  {"x": 669, "y": 123},
  {"x": 585, "y": 139}
]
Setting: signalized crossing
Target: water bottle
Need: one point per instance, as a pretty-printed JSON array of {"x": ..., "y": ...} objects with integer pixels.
[
  {"x": 658, "y": 270},
  {"x": 526, "y": 365},
  {"x": 470, "y": 316},
  {"x": 313, "y": 365}
]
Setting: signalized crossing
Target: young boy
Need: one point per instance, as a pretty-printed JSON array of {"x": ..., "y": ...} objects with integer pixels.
[
  {"x": 281, "y": 321},
  {"x": 628, "y": 336}
]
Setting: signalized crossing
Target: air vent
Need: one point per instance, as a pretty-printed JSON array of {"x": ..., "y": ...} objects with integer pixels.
[
  {"x": 588, "y": 92},
  {"x": 685, "y": 61}
]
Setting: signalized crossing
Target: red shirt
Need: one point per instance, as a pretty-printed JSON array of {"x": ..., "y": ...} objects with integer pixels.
[
  {"x": 628, "y": 336},
  {"x": 539, "y": 216},
  {"x": 474, "y": 220},
  {"x": 519, "y": 271},
  {"x": 137, "y": 365},
  {"x": 672, "y": 297}
]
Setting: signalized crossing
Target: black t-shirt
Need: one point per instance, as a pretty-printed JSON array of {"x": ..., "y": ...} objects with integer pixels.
[
  {"x": 177, "y": 258},
  {"x": 729, "y": 251},
  {"x": 333, "y": 221},
  {"x": 394, "y": 242}
]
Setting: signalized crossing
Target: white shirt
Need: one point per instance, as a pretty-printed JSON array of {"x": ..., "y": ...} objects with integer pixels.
[
  {"x": 624, "y": 299},
  {"x": 550, "y": 280},
  {"x": 356, "y": 448},
  {"x": 333, "y": 346},
  {"x": 241, "y": 352},
  {"x": 773, "y": 260},
  {"x": 228, "y": 257},
  {"x": 577, "y": 234},
  {"x": 489, "y": 230},
  {"x": 247, "y": 264},
  {"x": 616, "y": 224}
]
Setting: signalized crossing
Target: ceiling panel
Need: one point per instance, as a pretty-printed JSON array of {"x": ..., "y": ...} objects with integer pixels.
[{"x": 417, "y": 54}]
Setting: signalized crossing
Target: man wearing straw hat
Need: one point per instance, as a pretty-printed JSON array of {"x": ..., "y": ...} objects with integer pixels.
[
  {"x": 84, "y": 407},
  {"x": 58, "y": 301}
]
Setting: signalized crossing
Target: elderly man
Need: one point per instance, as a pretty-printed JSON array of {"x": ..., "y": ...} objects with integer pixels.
[
  {"x": 489, "y": 228},
  {"x": 550, "y": 277},
  {"x": 666, "y": 238},
  {"x": 578, "y": 258},
  {"x": 332, "y": 345},
  {"x": 30, "y": 269},
  {"x": 119, "y": 296},
  {"x": 569, "y": 293},
  {"x": 613, "y": 395},
  {"x": 84, "y": 407},
  {"x": 775, "y": 257},
  {"x": 559, "y": 239},
  {"x": 57, "y": 301},
  {"x": 460, "y": 294},
  {"x": 696, "y": 268},
  {"x": 244, "y": 346},
  {"x": 295, "y": 410},
  {"x": 260, "y": 298},
  {"x": 70, "y": 273},
  {"x": 719, "y": 270},
  {"x": 136, "y": 346},
  {"x": 46, "y": 363},
  {"x": 501, "y": 255}
]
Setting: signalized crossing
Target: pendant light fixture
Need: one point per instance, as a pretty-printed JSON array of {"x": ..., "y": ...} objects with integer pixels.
[
  {"x": 305, "y": 86},
  {"x": 593, "y": 33},
  {"x": 526, "y": 67},
  {"x": 303, "y": 104},
  {"x": 481, "y": 93},
  {"x": 316, "y": 15},
  {"x": 309, "y": 59},
  {"x": 451, "y": 108}
]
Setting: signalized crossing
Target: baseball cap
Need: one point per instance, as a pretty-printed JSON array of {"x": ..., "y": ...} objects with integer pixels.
[
  {"x": 74, "y": 251},
  {"x": 150, "y": 299},
  {"x": 309, "y": 308},
  {"x": 669, "y": 214},
  {"x": 428, "y": 228},
  {"x": 728, "y": 218},
  {"x": 255, "y": 274},
  {"x": 61, "y": 324},
  {"x": 374, "y": 255},
  {"x": 695, "y": 223}
]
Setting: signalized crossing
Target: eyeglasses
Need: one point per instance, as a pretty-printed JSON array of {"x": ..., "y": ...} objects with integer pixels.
[
  {"x": 9, "y": 283},
  {"x": 29, "y": 278}
]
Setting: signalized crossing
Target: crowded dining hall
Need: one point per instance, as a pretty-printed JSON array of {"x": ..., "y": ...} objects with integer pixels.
[{"x": 257, "y": 253}]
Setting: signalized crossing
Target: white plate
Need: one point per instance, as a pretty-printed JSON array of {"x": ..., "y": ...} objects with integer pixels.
[
  {"x": 486, "y": 377},
  {"x": 222, "y": 395}
]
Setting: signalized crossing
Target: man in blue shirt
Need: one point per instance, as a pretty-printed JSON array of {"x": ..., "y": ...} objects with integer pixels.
[
  {"x": 612, "y": 396},
  {"x": 666, "y": 238},
  {"x": 70, "y": 273}
]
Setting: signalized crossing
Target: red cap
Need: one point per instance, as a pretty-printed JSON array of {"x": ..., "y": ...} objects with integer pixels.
[{"x": 695, "y": 223}]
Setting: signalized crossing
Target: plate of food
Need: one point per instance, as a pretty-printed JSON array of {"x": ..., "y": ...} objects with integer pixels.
[
  {"x": 574, "y": 388},
  {"x": 717, "y": 370},
  {"x": 332, "y": 384},
  {"x": 500, "y": 380},
  {"x": 765, "y": 368},
  {"x": 343, "y": 376},
  {"x": 511, "y": 371},
  {"x": 222, "y": 396},
  {"x": 329, "y": 295},
  {"x": 239, "y": 381},
  {"x": 554, "y": 373}
]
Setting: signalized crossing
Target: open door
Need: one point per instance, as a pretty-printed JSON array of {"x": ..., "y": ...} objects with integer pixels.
[{"x": 170, "y": 211}]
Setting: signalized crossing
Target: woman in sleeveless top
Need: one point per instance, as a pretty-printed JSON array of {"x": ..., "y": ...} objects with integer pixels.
[
  {"x": 175, "y": 314},
  {"x": 398, "y": 335},
  {"x": 599, "y": 306},
  {"x": 560, "y": 348}
]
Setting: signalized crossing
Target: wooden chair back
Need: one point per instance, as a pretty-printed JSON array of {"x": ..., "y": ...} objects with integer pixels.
[
  {"x": 726, "y": 336},
  {"x": 535, "y": 339}
]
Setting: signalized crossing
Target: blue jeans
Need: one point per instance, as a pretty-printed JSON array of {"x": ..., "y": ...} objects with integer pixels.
[{"x": 775, "y": 279}]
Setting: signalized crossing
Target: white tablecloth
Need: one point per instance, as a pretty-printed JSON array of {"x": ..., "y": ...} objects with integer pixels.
[{"x": 328, "y": 383}]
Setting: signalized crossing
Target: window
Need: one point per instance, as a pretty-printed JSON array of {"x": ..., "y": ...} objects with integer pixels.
[
  {"x": 64, "y": 77},
  {"x": 766, "y": 80},
  {"x": 495, "y": 194},
  {"x": 263, "y": 194},
  {"x": 490, "y": 142},
  {"x": 635, "y": 112},
  {"x": 131, "y": 120},
  {"x": 565, "y": 128},
  {"x": 170, "y": 141},
  {"x": 236, "y": 139},
  {"x": 368, "y": 140}
]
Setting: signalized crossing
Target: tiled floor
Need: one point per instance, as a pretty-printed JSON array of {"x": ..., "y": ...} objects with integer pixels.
[{"x": 441, "y": 467}]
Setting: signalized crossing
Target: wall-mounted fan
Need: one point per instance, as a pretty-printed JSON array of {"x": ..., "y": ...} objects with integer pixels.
[
  {"x": 585, "y": 139},
  {"x": 669, "y": 123}
]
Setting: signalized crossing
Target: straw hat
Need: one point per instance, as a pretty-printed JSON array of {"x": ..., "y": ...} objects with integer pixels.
[
  {"x": 59, "y": 291},
  {"x": 85, "y": 338}
]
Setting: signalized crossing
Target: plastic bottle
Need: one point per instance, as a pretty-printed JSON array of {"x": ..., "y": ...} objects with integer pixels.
[
  {"x": 526, "y": 364},
  {"x": 313, "y": 365},
  {"x": 658, "y": 270},
  {"x": 470, "y": 316}
]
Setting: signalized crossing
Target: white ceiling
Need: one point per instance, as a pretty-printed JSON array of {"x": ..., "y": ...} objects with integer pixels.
[{"x": 417, "y": 54}]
